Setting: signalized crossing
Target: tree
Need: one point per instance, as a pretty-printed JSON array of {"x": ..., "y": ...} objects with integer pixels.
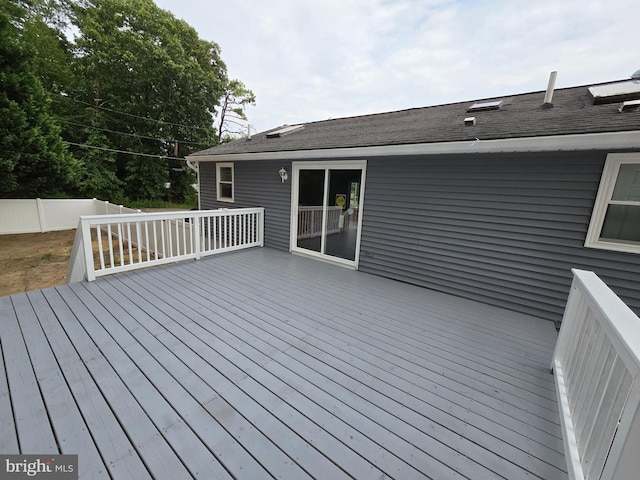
[
  {"x": 150, "y": 76},
  {"x": 232, "y": 117},
  {"x": 33, "y": 159},
  {"x": 97, "y": 170}
]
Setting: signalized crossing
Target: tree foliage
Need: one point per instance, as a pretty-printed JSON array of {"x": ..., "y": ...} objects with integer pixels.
[
  {"x": 133, "y": 79},
  {"x": 33, "y": 159}
]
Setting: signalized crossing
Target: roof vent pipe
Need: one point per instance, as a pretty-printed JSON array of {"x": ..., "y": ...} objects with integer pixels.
[{"x": 551, "y": 85}]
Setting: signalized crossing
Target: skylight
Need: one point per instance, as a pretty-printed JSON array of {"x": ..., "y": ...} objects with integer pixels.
[
  {"x": 284, "y": 131},
  {"x": 492, "y": 105},
  {"x": 615, "y": 92},
  {"x": 629, "y": 106}
]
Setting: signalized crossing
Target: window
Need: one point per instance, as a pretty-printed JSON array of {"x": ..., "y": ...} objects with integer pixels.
[
  {"x": 224, "y": 182},
  {"x": 615, "y": 221}
]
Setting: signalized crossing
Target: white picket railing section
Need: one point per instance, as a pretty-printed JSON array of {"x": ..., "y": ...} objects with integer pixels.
[
  {"x": 597, "y": 365},
  {"x": 107, "y": 244},
  {"x": 310, "y": 220}
]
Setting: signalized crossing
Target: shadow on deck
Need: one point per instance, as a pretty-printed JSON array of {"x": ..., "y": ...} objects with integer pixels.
[{"x": 261, "y": 364}]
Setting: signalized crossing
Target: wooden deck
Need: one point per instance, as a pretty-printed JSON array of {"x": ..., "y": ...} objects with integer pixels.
[{"x": 261, "y": 364}]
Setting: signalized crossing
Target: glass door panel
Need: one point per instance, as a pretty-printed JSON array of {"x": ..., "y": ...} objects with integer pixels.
[
  {"x": 310, "y": 209},
  {"x": 341, "y": 221}
]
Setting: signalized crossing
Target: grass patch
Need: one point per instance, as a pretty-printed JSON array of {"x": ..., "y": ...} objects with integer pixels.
[{"x": 47, "y": 256}]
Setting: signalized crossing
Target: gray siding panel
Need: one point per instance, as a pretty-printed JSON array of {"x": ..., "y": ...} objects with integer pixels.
[
  {"x": 257, "y": 184},
  {"x": 504, "y": 229}
]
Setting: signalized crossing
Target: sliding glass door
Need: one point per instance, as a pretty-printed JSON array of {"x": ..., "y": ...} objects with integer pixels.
[{"x": 327, "y": 200}]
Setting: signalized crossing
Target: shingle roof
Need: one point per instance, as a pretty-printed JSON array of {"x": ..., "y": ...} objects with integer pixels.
[{"x": 520, "y": 116}]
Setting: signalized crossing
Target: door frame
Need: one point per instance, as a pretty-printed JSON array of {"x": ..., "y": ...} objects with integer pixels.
[{"x": 295, "y": 179}]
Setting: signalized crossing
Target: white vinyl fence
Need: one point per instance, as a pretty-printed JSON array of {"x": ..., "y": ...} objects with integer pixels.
[
  {"x": 597, "y": 372},
  {"x": 47, "y": 215},
  {"x": 108, "y": 244}
]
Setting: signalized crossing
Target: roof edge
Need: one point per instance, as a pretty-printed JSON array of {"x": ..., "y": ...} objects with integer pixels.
[{"x": 591, "y": 141}]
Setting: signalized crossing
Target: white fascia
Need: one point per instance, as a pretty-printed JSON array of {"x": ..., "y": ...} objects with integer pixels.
[{"x": 592, "y": 141}]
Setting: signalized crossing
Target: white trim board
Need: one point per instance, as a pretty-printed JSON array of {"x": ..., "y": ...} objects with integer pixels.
[{"x": 593, "y": 141}]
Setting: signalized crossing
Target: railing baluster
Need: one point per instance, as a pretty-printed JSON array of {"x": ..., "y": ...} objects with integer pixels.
[
  {"x": 129, "y": 242},
  {"x": 164, "y": 250},
  {"x": 209, "y": 247},
  {"x": 184, "y": 237},
  {"x": 139, "y": 242},
  {"x": 100, "y": 250},
  {"x": 169, "y": 238},
  {"x": 120, "y": 244},
  {"x": 146, "y": 240},
  {"x": 110, "y": 239},
  {"x": 215, "y": 233}
]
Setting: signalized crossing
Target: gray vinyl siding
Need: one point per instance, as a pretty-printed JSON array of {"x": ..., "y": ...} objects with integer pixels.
[
  {"x": 256, "y": 184},
  {"x": 502, "y": 229}
]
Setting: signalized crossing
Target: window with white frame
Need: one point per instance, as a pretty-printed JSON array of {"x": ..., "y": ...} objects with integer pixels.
[
  {"x": 615, "y": 221},
  {"x": 224, "y": 182}
]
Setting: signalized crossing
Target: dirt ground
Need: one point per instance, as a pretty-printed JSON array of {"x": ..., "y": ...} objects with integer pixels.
[{"x": 30, "y": 261}]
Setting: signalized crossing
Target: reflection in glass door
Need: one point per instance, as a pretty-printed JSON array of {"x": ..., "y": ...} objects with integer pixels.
[
  {"x": 327, "y": 212},
  {"x": 310, "y": 209}
]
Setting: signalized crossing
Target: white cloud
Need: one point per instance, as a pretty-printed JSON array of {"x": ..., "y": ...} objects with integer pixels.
[{"x": 308, "y": 60}]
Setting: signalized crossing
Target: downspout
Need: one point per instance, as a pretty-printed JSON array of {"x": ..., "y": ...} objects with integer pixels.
[{"x": 195, "y": 166}]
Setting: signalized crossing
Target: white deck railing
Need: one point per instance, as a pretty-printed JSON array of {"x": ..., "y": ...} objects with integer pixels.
[
  {"x": 597, "y": 365},
  {"x": 310, "y": 220},
  {"x": 108, "y": 244}
]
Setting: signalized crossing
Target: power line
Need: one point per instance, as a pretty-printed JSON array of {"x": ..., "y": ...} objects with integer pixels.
[
  {"x": 136, "y": 116},
  {"x": 131, "y": 134},
  {"x": 161, "y": 157}
]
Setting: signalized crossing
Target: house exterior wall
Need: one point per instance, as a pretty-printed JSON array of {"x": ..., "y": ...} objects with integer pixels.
[
  {"x": 504, "y": 229},
  {"x": 256, "y": 184}
]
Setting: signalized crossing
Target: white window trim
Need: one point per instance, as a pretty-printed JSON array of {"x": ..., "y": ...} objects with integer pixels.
[
  {"x": 219, "y": 197},
  {"x": 605, "y": 192}
]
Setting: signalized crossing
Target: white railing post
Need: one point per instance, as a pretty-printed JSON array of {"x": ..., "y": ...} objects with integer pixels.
[
  {"x": 195, "y": 236},
  {"x": 261, "y": 227},
  {"x": 88, "y": 248}
]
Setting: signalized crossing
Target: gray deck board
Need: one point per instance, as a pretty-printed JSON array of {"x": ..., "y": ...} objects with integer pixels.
[
  {"x": 33, "y": 425},
  {"x": 66, "y": 419},
  {"x": 9, "y": 437},
  {"x": 514, "y": 436},
  {"x": 111, "y": 440},
  {"x": 261, "y": 364}
]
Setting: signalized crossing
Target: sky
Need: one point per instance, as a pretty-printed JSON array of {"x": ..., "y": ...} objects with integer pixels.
[{"x": 309, "y": 60}]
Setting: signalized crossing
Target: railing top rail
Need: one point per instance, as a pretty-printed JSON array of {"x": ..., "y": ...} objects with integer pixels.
[
  {"x": 133, "y": 217},
  {"x": 621, "y": 323}
]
